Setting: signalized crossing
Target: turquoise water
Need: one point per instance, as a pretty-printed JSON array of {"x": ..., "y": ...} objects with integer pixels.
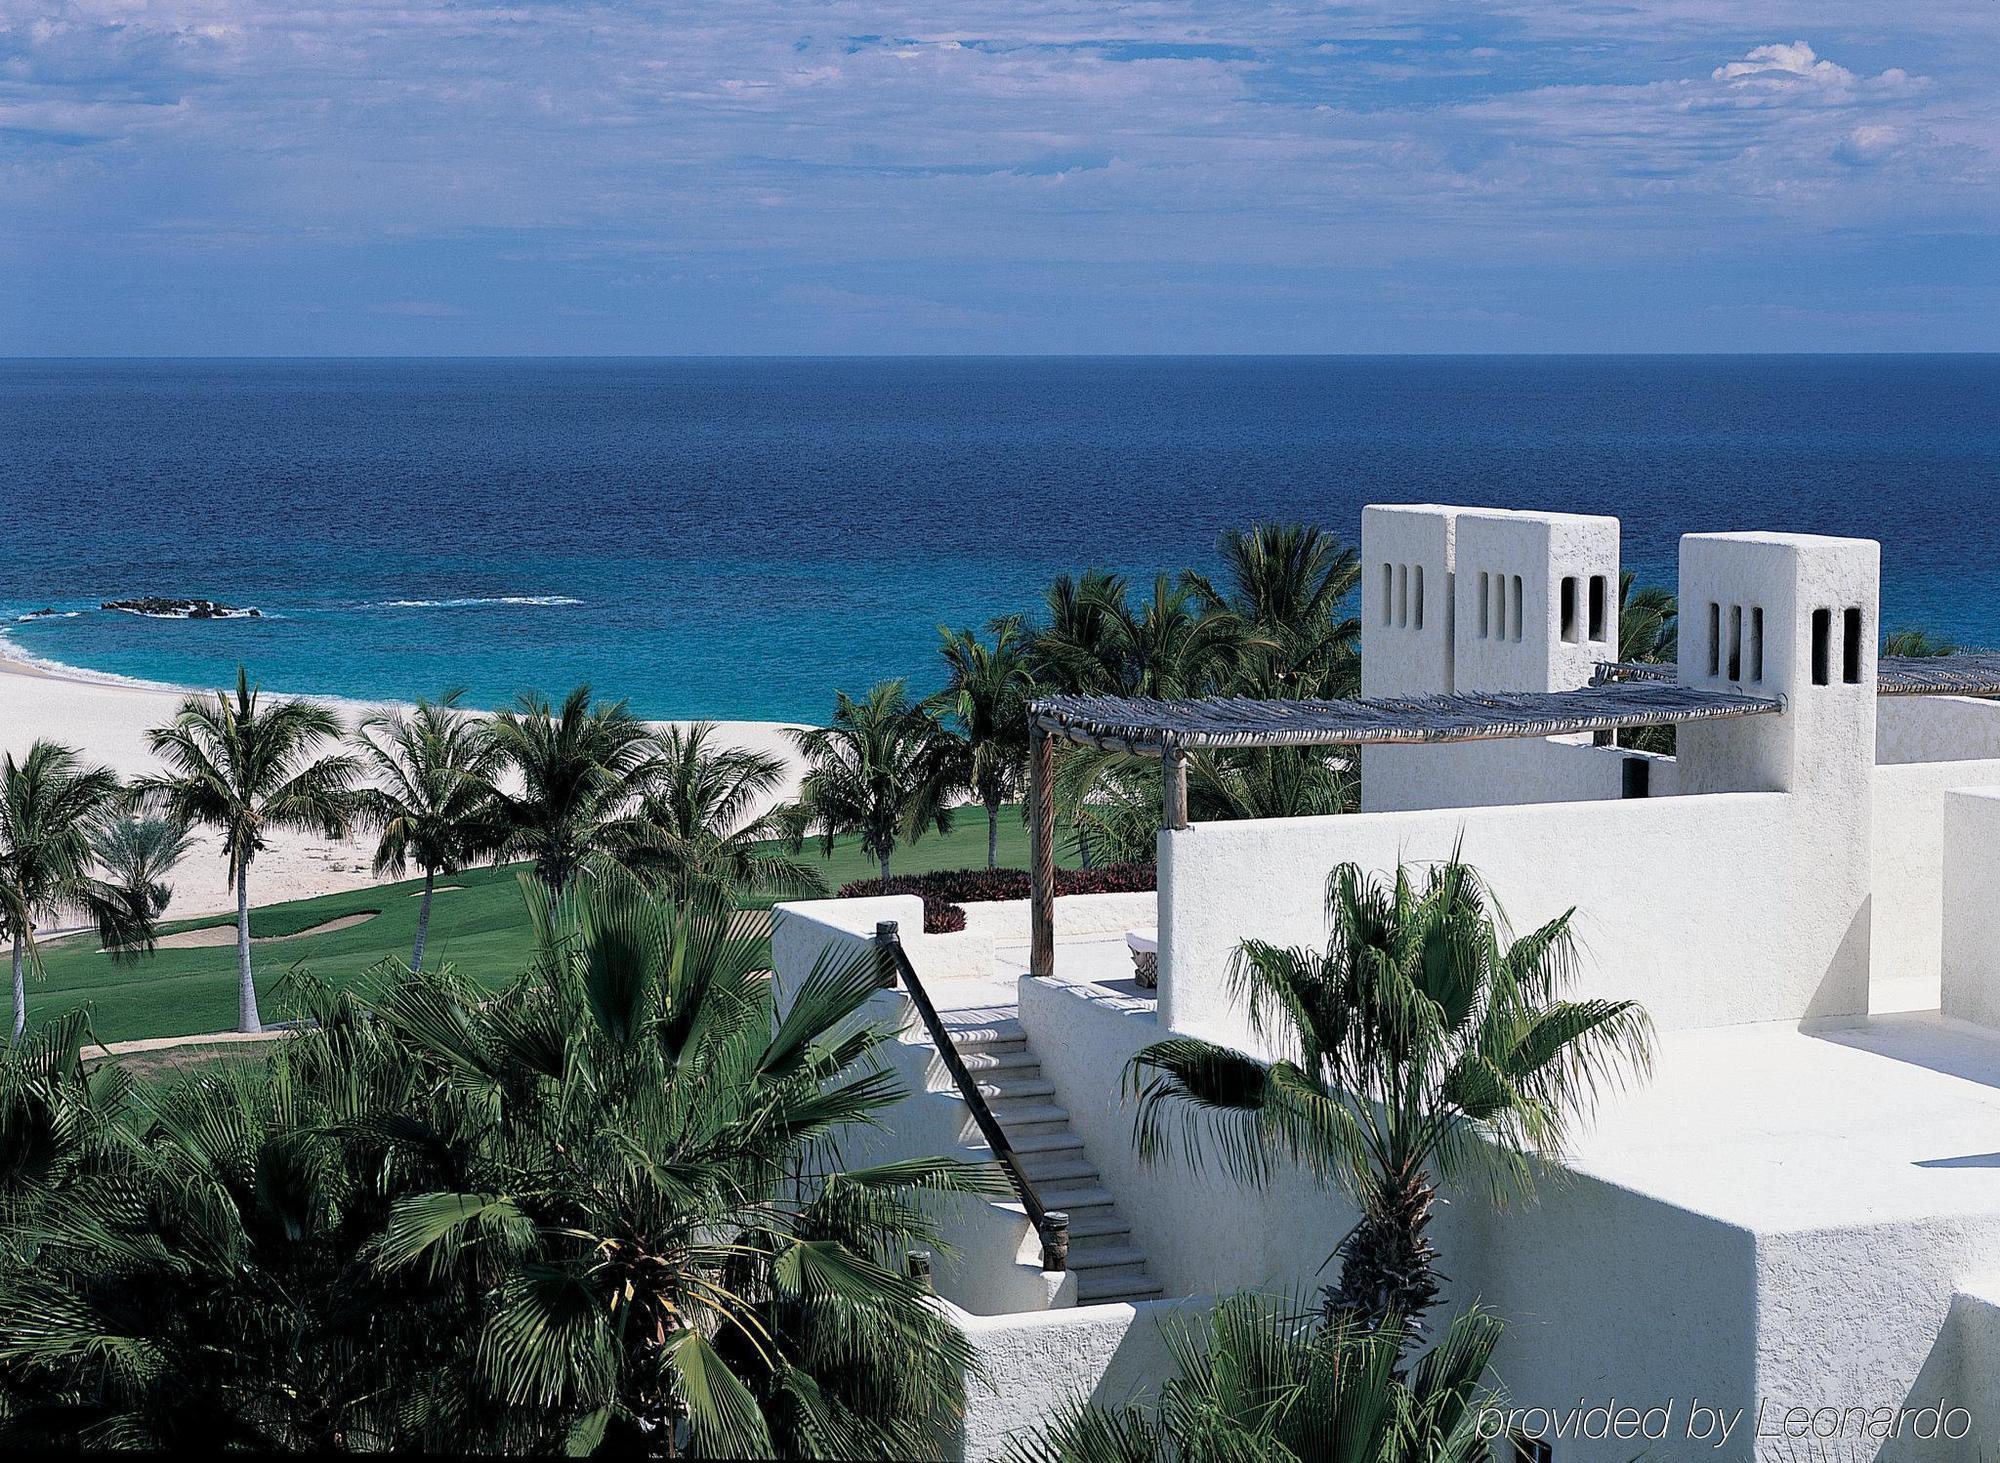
[{"x": 738, "y": 538}]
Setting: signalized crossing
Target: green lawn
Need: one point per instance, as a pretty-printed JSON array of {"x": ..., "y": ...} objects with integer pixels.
[{"x": 480, "y": 929}]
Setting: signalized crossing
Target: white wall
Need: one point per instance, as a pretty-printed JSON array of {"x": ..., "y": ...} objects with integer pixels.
[
  {"x": 1710, "y": 910},
  {"x": 1936, "y": 729},
  {"x": 1909, "y": 863},
  {"x": 1034, "y": 1365},
  {"x": 1970, "y": 967},
  {"x": 1502, "y": 773}
]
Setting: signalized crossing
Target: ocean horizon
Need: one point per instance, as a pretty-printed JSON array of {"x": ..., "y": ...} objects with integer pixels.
[{"x": 740, "y": 537}]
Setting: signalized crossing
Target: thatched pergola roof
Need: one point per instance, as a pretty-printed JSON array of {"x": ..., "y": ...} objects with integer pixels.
[
  {"x": 1963, "y": 673},
  {"x": 1151, "y": 728}
]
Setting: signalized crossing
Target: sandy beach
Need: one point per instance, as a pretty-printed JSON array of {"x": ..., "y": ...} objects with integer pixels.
[{"x": 107, "y": 720}]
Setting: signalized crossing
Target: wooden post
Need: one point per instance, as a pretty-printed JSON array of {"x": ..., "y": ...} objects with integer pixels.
[
  {"x": 1041, "y": 853},
  {"x": 1173, "y": 788}
]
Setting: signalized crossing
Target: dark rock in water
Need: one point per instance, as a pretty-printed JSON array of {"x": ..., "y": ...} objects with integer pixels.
[
  {"x": 159, "y": 608},
  {"x": 42, "y": 614}
]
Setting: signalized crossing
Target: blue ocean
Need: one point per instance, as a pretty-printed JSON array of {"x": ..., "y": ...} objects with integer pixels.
[{"x": 740, "y": 538}]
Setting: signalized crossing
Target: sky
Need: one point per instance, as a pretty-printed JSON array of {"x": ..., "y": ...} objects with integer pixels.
[{"x": 396, "y": 177}]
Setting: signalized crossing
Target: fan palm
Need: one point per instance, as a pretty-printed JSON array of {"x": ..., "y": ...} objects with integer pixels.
[
  {"x": 1292, "y": 585},
  {"x": 1648, "y": 634},
  {"x": 243, "y": 767},
  {"x": 204, "y": 1278},
  {"x": 53, "y": 811},
  {"x": 713, "y": 825},
  {"x": 137, "y": 853},
  {"x": 431, "y": 794},
  {"x": 1082, "y": 648},
  {"x": 884, "y": 769},
  {"x": 580, "y": 771},
  {"x": 1261, "y": 1381},
  {"x": 1122, "y": 812},
  {"x": 1422, "y": 1048},
  {"x": 987, "y": 694},
  {"x": 667, "y": 1257}
]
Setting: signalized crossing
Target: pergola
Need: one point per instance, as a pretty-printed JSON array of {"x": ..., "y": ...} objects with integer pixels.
[{"x": 1170, "y": 730}]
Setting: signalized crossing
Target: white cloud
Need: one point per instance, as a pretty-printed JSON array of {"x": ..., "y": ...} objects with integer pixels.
[{"x": 1783, "y": 62}]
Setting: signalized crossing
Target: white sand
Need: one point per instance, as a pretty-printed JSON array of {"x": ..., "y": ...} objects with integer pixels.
[{"x": 107, "y": 720}]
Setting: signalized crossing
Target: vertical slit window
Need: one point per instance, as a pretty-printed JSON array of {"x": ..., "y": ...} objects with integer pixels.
[
  {"x": 1822, "y": 645},
  {"x": 1599, "y": 602},
  {"x": 1714, "y": 640},
  {"x": 1736, "y": 642},
  {"x": 1499, "y": 606},
  {"x": 1569, "y": 624},
  {"x": 1388, "y": 591},
  {"x": 1402, "y": 594},
  {"x": 1850, "y": 648},
  {"x": 1485, "y": 604},
  {"x": 1514, "y": 609},
  {"x": 1757, "y": 643},
  {"x": 1417, "y": 596}
]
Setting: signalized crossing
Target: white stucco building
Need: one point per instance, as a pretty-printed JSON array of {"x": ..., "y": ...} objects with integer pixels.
[{"x": 1791, "y": 1229}]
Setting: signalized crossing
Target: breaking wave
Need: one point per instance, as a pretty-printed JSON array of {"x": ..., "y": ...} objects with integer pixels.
[{"x": 473, "y": 600}]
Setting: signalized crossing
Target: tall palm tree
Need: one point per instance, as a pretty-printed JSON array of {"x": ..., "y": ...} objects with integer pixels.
[
  {"x": 1122, "y": 813},
  {"x": 883, "y": 768},
  {"x": 1261, "y": 1381},
  {"x": 243, "y": 766},
  {"x": 1293, "y": 585},
  {"x": 580, "y": 770},
  {"x": 53, "y": 809},
  {"x": 987, "y": 694},
  {"x": 1428, "y": 1050},
  {"x": 138, "y": 852},
  {"x": 1176, "y": 648},
  {"x": 431, "y": 794},
  {"x": 714, "y": 827},
  {"x": 1648, "y": 622},
  {"x": 1081, "y": 650}
]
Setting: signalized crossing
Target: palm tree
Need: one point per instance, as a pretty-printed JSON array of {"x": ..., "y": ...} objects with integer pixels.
[
  {"x": 431, "y": 794},
  {"x": 1122, "y": 813},
  {"x": 1174, "y": 648},
  {"x": 1292, "y": 584},
  {"x": 1261, "y": 1381},
  {"x": 1917, "y": 642},
  {"x": 138, "y": 853},
  {"x": 987, "y": 695},
  {"x": 1648, "y": 622},
  {"x": 1081, "y": 650},
  {"x": 53, "y": 809},
  {"x": 713, "y": 826},
  {"x": 666, "y": 1258},
  {"x": 581, "y": 770},
  {"x": 1427, "y": 1050},
  {"x": 883, "y": 769},
  {"x": 244, "y": 767}
]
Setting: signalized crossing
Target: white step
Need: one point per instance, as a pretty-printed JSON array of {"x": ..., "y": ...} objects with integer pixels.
[
  {"x": 1069, "y": 1200},
  {"x": 1105, "y": 1289},
  {"x": 1100, "y": 1224},
  {"x": 1100, "y": 1255},
  {"x": 987, "y": 1035},
  {"x": 1026, "y": 1110},
  {"x": 1000, "y": 1059},
  {"x": 1007, "y": 1087},
  {"x": 1051, "y": 1140},
  {"x": 1044, "y": 1169}
]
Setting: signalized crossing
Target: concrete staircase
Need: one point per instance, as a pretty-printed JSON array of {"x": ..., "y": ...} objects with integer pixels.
[{"x": 1108, "y": 1265}]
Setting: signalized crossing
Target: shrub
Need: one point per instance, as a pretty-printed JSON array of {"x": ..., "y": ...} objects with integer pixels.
[{"x": 944, "y": 890}]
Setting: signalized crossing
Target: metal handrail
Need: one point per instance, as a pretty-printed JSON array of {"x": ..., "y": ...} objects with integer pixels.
[{"x": 1051, "y": 1224}]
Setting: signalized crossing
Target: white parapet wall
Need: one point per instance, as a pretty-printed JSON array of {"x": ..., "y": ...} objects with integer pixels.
[
  {"x": 1970, "y": 974},
  {"x": 1710, "y": 911}
]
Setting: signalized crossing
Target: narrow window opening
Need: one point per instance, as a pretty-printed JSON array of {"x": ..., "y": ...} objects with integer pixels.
[
  {"x": 1402, "y": 594},
  {"x": 1599, "y": 602},
  {"x": 1417, "y": 596},
  {"x": 1850, "y": 648},
  {"x": 1714, "y": 640},
  {"x": 1569, "y": 626},
  {"x": 1736, "y": 642},
  {"x": 1637, "y": 777},
  {"x": 1499, "y": 606},
  {"x": 1757, "y": 643},
  {"x": 1822, "y": 645},
  {"x": 1514, "y": 610},
  {"x": 1388, "y": 591},
  {"x": 1485, "y": 604}
]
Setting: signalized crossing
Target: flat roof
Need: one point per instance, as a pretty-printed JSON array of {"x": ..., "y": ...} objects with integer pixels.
[
  {"x": 1963, "y": 673},
  {"x": 1148, "y": 727}
]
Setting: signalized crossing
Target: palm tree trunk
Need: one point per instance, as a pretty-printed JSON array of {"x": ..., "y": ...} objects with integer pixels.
[
  {"x": 20, "y": 984},
  {"x": 246, "y": 990},
  {"x": 993, "y": 833},
  {"x": 885, "y": 875},
  {"x": 1388, "y": 1265},
  {"x": 423, "y": 921}
]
